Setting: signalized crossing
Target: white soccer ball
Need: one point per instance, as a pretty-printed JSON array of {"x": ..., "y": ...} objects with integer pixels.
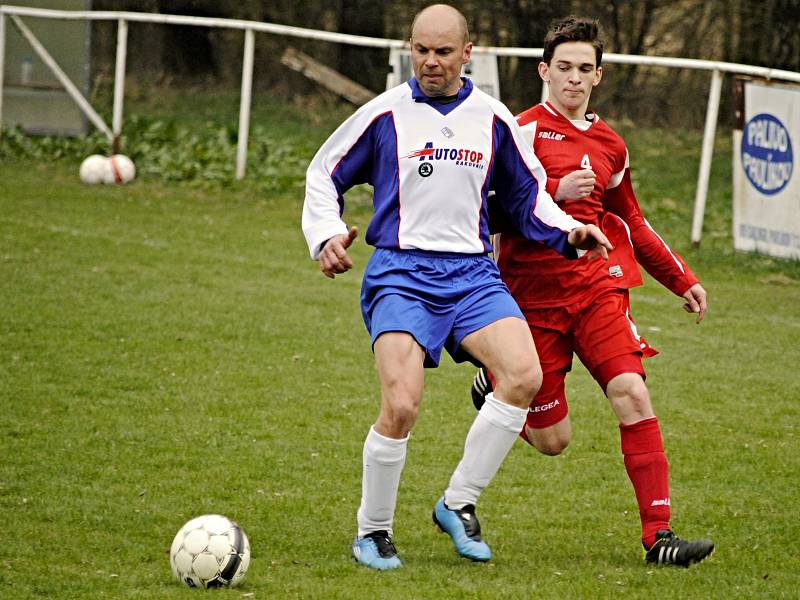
[
  {"x": 121, "y": 169},
  {"x": 95, "y": 169},
  {"x": 210, "y": 551}
]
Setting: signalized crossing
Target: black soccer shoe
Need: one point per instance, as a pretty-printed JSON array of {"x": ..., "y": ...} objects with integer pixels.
[
  {"x": 481, "y": 387},
  {"x": 669, "y": 549}
]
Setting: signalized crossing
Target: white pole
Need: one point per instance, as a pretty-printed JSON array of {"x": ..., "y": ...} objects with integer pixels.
[
  {"x": 2, "y": 64},
  {"x": 62, "y": 77},
  {"x": 709, "y": 132},
  {"x": 119, "y": 81},
  {"x": 244, "y": 106}
]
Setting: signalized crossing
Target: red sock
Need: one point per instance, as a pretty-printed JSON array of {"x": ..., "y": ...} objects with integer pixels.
[{"x": 648, "y": 471}]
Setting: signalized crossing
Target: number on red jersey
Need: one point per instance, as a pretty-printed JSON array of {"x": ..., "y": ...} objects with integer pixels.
[{"x": 585, "y": 163}]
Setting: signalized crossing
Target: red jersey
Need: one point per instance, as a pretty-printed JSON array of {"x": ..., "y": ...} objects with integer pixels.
[{"x": 539, "y": 277}]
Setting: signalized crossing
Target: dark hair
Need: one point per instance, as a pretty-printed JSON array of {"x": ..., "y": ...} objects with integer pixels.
[{"x": 573, "y": 29}]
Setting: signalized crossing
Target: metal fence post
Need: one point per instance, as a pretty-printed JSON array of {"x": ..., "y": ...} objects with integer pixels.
[
  {"x": 712, "y": 110},
  {"x": 119, "y": 83},
  {"x": 2, "y": 64},
  {"x": 244, "y": 106}
]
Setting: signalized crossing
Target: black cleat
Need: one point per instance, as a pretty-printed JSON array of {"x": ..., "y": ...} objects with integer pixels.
[
  {"x": 669, "y": 549},
  {"x": 481, "y": 387}
]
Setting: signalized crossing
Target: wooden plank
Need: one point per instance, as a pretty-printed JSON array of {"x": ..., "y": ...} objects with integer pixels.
[{"x": 327, "y": 77}]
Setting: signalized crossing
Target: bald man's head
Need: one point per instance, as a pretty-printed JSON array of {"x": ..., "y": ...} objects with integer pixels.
[
  {"x": 444, "y": 15},
  {"x": 439, "y": 48}
]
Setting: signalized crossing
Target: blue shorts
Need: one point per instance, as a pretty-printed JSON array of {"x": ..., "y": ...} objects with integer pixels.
[{"x": 439, "y": 298}]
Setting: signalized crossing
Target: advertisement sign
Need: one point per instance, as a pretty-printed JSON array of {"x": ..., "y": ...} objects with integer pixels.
[{"x": 766, "y": 185}]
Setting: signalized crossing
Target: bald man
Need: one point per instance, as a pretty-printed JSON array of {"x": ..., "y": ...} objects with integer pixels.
[{"x": 432, "y": 148}]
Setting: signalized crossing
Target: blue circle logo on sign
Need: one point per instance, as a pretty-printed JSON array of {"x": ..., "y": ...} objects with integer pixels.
[{"x": 767, "y": 157}]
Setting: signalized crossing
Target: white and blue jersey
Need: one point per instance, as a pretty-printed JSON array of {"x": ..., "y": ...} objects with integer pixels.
[{"x": 431, "y": 166}]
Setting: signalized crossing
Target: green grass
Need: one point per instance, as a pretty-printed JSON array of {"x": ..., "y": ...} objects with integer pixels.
[{"x": 168, "y": 350}]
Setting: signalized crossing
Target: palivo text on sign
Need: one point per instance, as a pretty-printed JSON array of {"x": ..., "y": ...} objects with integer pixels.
[{"x": 767, "y": 157}]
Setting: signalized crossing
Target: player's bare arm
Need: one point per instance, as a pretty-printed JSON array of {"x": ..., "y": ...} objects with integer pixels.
[
  {"x": 333, "y": 259},
  {"x": 696, "y": 302},
  {"x": 589, "y": 237},
  {"x": 576, "y": 185}
]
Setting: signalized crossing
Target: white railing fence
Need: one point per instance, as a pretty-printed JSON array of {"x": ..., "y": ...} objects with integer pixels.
[{"x": 15, "y": 14}]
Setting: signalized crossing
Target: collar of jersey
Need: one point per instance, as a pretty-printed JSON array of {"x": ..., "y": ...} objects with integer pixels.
[
  {"x": 590, "y": 116},
  {"x": 418, "y": 95}
]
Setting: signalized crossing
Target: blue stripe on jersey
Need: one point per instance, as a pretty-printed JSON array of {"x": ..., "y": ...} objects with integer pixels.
[
  {"x": 515, "y": 186},
  {"x": 358, "y": 165},
  {"x": 384, "y": 227}
]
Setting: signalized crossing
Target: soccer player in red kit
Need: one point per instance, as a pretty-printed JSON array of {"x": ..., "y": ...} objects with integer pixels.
[{"x": 582, "y": 306}]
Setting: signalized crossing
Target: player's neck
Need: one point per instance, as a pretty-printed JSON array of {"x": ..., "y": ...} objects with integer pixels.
[{"x": 572, "y": 115}]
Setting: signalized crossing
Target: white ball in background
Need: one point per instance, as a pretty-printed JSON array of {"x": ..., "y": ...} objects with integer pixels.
[
  {"x": 121, "y": 169},
  {"x": 95, "y": 169}
]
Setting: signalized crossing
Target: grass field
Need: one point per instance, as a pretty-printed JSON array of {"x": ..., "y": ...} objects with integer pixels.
[{"x": 169, "y": 350}]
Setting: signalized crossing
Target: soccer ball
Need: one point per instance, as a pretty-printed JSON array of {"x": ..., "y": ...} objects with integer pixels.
[
  {"x": 209, "y": 552},
  {"x": 95, "y": 169},
  {"x": 121, "y": 169}
]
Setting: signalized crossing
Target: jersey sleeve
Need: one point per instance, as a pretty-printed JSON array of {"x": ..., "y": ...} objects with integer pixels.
[
  {"x": 518, "y": 179},
  {"x": 343, "y": 161},
  {"x": 528, "y": 128},
  {"x": 651, "y": 251},
  {"x": 552, "y": 185}
]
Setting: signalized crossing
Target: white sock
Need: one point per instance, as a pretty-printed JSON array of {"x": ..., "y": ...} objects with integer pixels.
[
  {"x": 383, "y": 461},
  {"x": 489, "y": 439}
]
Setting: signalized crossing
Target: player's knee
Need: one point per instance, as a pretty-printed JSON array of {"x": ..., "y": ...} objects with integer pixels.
[
  {"x": 551, "y": 441},
  {"x": 531, "y": 383},
  {"x": 398, "y": 416},
  {"x": 519, "y": 386},
  {"x": 630, "y": 397},
  {"x": 525, "y": 380},
  {"x": 404, "y": 414},
  {"x": 552, "y": 447},
  {"x": 640, "y": 398}
]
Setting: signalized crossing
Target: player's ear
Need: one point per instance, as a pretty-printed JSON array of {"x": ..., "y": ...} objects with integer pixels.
[
  {"x": 465, "y": 56},
  {"x": 544, "y": 72},
  {"x": 598, "y": 75}
]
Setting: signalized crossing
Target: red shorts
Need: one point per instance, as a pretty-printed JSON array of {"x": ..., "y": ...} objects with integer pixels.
[{"x": 600, "y": 331}]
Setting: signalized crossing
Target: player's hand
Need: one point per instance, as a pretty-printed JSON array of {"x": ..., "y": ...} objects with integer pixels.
[
  {"x": 589, "y": 237},
  {"x": 333, "y": 258},
  {"x": 575, "y": 185},
  {"x": 696, "y": 301}
]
